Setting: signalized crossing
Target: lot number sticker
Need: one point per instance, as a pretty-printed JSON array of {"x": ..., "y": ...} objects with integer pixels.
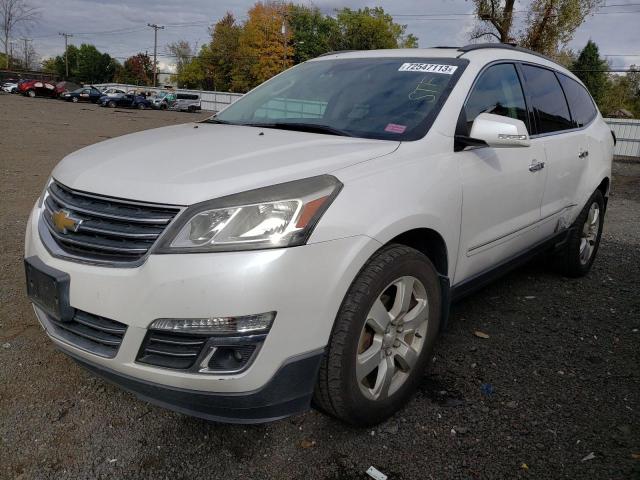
[{"x": 428, "y": 67}]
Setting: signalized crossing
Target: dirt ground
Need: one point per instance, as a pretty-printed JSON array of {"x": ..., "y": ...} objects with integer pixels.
[{"x": 554, "y": 391}]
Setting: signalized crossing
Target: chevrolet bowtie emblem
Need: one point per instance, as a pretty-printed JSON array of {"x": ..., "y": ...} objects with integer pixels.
[{"x": 64, "y": 222}]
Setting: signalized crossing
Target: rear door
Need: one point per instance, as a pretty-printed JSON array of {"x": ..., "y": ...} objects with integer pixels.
[
  {"x": 502, "y": 193},
  {"x": 562, "y": 142}
]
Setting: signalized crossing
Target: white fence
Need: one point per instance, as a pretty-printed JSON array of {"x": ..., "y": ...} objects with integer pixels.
[
  {"x": 627, "y": 132},
  {"x": 211, "y": 101}
]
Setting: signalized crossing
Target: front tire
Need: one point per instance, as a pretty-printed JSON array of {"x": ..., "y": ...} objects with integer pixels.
[
  {"x": 382, "y": 338},
  {"x": 74, "y": 99},
  {"x": 582, "y": 246},
  {"x": 31, "y": 93}
]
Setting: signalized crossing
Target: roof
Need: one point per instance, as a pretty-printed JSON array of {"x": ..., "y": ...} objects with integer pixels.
[{"x": 483, "y": 52}]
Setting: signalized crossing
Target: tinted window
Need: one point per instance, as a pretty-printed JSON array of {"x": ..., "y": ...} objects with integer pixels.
[
  {"x": 548, "y": 100},
  {"x": 497, "y": 91},
  {"x": 582, "y": 108}
]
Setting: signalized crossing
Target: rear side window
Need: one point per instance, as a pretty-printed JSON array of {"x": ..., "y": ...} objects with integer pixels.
[
  {"x": 582, "y": 108},
  {"x": 549, "y": 103},
  {"x": 497, "y": 91}
]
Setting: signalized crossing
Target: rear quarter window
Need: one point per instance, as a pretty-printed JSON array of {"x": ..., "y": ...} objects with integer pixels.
[
  {"x": 582, "y": 108},
  {"x": 547, "y": 98}
]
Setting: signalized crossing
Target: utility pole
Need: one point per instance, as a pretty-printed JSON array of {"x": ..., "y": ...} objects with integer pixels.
[
  {"x": 26, "y": 52},
  {"x": 155, "y": 50},
  {"x": 66, "y": 59},
  {"x": 11, "y": 43}
]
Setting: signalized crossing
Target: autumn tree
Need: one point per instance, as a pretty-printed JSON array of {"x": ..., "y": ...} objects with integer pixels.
[
  {"x": 263, "y": 46},
  {"x": 137, "y": 70},
  {"x": 14, "y": 13}
]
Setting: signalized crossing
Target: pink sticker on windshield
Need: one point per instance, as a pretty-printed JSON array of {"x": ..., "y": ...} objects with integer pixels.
[{"x": 395, "y": 128}]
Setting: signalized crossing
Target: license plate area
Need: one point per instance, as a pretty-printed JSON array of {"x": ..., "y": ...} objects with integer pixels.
[{"x": 48, "y": 288}]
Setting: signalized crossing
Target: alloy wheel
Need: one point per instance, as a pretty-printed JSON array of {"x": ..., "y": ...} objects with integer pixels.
[
  {"x": 589, "y": 235},
  {"x": 392, "y": 338}
]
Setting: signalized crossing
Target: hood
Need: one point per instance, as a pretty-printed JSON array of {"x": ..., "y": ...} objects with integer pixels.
[{"x": 190, "y": 163}]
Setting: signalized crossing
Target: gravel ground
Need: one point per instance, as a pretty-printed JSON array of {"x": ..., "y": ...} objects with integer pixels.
[{"x": 552, "y": 393}]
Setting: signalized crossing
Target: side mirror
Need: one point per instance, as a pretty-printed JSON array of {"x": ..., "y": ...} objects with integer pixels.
[{"x": 498, "y": 131}]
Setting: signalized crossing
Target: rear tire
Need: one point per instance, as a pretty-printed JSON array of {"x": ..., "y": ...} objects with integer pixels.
[
  {"x": 578, "y": 255},
  {"x": 74, "y": 99},
  {"x": 141, "y": 106},
  {"x": 371, "y": 367},
  {"x": 112, "y": 104},
  {"x": 31, "y": 93}
]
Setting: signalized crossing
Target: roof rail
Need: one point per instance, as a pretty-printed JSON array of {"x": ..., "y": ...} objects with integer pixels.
[
  {"x": 335, "y": 52},
  {"x": 506, "y": 46}
]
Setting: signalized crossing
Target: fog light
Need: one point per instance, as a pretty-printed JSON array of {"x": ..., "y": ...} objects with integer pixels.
[
  {"x": 259, "y": 323},
  {"x": 228, "y": 358}
]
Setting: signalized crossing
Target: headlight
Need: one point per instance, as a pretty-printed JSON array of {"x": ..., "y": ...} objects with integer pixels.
[{"x": 282, "y": 215}]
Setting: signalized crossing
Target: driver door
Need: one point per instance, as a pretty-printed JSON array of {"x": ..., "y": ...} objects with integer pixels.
[{"x": 502, "y": 187}]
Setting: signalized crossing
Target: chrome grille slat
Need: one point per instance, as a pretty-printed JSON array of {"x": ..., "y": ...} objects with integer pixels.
[
  {"x": 109, "y": 230},
  {"x": 64, "y": 203}
]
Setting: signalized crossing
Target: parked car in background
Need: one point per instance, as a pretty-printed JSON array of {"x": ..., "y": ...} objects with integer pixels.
[
  {"x": 126, "y": 100},
  {"x": 10, "y": 87},
  {"x": 65, "y": 86},
  {"x": 112, "y": 91},
  {"x": 37, "y": 88},
  {"x": 83, "y": 94},
  {"x": 185, "y": 102},
  {"x": 306, "y": 242}
]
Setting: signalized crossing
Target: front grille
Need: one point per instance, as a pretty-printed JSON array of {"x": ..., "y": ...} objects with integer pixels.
[
  {"x": 171, "y": 350},
  {"x": 89, "y": 332},
  {"x": 109, "y": 230}
]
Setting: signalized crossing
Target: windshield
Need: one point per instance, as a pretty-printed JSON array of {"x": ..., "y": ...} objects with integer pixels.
[{"x": 383, "y": 98}]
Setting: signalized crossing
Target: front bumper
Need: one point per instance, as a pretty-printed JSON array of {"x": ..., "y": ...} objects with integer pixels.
[
  {"x": 304, "y": 285},
  {"x": 287, "y": 393}
]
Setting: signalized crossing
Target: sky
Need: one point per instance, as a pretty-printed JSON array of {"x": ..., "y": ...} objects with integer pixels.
[{"x": 119, "y": 27}]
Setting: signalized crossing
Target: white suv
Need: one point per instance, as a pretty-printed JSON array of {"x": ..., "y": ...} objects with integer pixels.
[{"x": 304, "y": 244}]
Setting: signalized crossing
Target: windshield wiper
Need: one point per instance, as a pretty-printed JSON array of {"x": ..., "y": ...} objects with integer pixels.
[
  {"x": 214, "y": 120},
  {"x": 302, "y": 127}
]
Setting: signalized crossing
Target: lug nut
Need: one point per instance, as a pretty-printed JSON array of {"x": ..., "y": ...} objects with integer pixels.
[
  {"x": 388, "y": 351},
  {"x": 396, "y": 343}
]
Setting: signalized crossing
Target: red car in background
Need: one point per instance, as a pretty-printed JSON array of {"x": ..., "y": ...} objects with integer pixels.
[
  {"x": 37, "y": 88},
  {"x": 64, "y": 87}
]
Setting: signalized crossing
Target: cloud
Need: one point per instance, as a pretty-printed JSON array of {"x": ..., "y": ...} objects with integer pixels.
[{"x": 119, "y": 28}]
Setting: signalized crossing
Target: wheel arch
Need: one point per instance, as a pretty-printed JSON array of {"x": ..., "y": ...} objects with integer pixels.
[{"x": 428, "y": 242}]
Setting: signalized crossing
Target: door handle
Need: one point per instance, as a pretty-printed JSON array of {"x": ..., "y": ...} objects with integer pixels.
[
  {"x": 535, "y": 166},
  {"x": 583, "y": 154}
]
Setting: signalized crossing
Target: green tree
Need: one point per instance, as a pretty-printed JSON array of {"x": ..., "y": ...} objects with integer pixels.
[
  {"x": 371, "y": 28},
  {"x": 549, "y": 24},
  {"x": 312, "y": 33},
  {"x": 622, "y": 92},
  {"x": 92, "y": 66},
  {"x": 218, "y": 57},
  {"x": 591, "y": 69}
]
